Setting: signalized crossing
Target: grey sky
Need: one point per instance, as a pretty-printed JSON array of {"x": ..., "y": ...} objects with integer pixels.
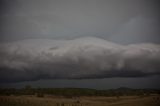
[
  {"x": 122, "y": 21},
  {"x": 118, "y": 21}
]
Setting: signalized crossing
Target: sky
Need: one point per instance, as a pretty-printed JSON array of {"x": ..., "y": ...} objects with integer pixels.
[{"x": 97, "y": 44}]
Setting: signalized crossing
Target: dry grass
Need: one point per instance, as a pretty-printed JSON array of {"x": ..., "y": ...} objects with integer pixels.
[{"x": 81, "y": 101}]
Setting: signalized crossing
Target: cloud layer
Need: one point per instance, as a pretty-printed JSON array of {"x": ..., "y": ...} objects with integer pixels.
[{"x": 79, "y": 58}]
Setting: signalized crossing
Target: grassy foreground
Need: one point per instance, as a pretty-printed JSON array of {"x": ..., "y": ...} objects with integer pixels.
[{"x": 79, "y": 101}]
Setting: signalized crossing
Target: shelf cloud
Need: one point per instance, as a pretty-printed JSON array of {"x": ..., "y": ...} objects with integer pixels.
[{"x": 80, "y": 58}]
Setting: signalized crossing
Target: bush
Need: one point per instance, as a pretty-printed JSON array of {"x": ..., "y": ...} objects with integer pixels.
[{"x": 40, "y": 95}]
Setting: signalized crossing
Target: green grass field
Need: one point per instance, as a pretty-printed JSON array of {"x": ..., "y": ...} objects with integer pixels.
[{"x": 80, "y": 101}]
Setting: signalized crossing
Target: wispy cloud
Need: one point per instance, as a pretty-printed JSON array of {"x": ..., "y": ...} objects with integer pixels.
[{"x": 80, "y": 58}]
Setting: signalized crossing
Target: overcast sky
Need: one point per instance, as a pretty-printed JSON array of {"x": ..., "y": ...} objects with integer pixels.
[
  {"x": 122, "y": 21},
  {"x": 97, "y": 41}
]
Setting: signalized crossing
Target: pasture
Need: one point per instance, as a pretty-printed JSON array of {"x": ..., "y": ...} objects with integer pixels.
[{"x": 50, "y": 100}]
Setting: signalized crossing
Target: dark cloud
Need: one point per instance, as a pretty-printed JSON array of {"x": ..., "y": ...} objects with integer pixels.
[{"x": 80, "y": 58}]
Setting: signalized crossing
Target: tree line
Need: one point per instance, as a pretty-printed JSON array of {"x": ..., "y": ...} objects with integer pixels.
[{"x": 75, "y": 92}]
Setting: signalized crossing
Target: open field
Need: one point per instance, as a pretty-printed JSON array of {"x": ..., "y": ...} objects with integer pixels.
[{"x": 80, "y": 101}]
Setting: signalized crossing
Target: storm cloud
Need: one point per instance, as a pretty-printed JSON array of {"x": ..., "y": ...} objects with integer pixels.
[{"x": 80, "y": 58}]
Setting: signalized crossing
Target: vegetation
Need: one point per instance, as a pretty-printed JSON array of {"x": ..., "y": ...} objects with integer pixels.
[
  {"x": 80, "y": 101},
  {"x": 76, "y": 92},
  {"x": 29, "y": 96}
]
